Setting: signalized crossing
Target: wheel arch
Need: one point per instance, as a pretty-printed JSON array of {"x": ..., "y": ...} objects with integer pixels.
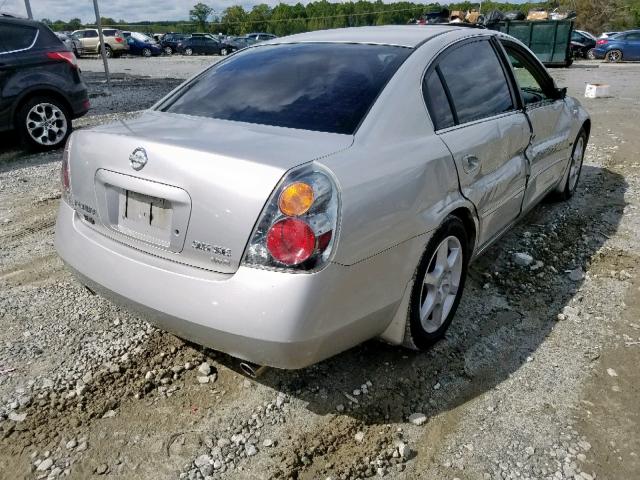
[
  {"x": 470, "y": 225},
  {"x": 37, "y": 92},
  {"x": 395, "y": 331}
]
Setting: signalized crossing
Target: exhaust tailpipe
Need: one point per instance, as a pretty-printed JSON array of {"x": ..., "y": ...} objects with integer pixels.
[{"x": 252, "y": 370}]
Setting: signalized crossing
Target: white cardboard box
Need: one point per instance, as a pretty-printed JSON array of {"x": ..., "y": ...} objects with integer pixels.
[{"x": 596, "y": 90}]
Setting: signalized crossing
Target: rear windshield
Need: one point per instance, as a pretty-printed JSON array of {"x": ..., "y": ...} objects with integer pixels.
[{"x": 313, "y": 86}]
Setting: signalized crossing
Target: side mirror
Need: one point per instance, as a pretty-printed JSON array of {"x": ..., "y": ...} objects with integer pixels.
[{"x": 561, "y": 92}]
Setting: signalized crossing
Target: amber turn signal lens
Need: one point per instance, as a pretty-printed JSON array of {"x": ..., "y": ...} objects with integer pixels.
[{"x": 296, "y": 199}]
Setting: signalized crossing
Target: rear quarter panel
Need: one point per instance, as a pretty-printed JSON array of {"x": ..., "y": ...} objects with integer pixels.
[{"x": 398, "y": 180}]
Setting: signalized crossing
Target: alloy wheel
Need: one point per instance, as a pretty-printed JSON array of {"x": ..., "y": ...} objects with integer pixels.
[
  {"x": 46, "y": 124},
  {"x": 440, "y": 284},
  {"x": 576, "y": 163},
  {"x": 591, "y": 54},
  {"x": 168, "y": 50},
  {"x": 188, "y": 51},
  {"x": 614, "y": 56},
  {"x": 146, "y": 52}
]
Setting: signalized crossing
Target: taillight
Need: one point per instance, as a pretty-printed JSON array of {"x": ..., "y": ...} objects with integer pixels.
[
  {"x": 291, "y": 241},
  {"x": 602, "y": 41},
  {"x": 119, "y": 39},
  {"x": 65, "y": 174},
  {"x": 65, "y": 56},
  {"x": 297, "y": 229}
]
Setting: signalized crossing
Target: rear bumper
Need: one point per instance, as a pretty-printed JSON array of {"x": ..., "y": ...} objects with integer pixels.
[
  {"x": 79, "y": 101},
  {"x": 284, "y": 320}
]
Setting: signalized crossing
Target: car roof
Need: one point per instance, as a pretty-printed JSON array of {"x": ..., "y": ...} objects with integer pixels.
[
  {"x": 400, "y": 35},
  {"x": 9, "y": 18}
]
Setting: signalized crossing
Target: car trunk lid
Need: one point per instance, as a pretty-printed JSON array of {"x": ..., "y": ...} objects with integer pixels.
[{"x": 198, "y": 195}]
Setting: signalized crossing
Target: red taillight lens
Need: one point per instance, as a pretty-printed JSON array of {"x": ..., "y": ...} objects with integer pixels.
[
  {"x": 119, "y": 39},
  {"x": 64, "y": 174},
  {"x": 66, "y": 180},
  {"x": 291, "y": 241},
  {"x": 602, "y": 41},
  {"x": 65, "y": 56}
]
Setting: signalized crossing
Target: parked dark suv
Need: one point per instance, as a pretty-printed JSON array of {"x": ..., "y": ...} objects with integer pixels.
[
  {"x": 169, "y": 41},
  {"x": 41, "y": 90}
]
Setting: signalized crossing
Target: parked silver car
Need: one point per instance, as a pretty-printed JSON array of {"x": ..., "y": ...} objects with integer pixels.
[
  {"x": 72, "y": 43},
  {"x": 307, "y": 194}
]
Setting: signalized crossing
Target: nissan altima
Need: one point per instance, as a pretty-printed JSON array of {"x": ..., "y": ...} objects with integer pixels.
[{"x": 309, "y": 193}]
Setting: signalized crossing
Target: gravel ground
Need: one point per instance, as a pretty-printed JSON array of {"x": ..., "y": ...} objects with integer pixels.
[
  {"x": 537, "y": 377},
  {"x": 174, "y": 66}
]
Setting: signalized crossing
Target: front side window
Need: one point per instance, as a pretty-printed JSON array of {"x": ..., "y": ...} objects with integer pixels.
[
  {"x": 526, "y": 76},
  {"x": 16, "y": 37},
  {"x": 312, "y": 86},
  {"x": 476, "y": 81}
]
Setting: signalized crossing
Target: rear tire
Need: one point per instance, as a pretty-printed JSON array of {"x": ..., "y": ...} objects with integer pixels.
[
  {"x": 591, "y": 54},
  {"x": 146, "y": 52},
  {"x": 613, "y": 56},
  {"x": 108, "y": 52},
  {"x": 224, "y": 52},
  {"x": 168, "y": 50},
  {"x": 438, "y": 285},
  {"x": 43, "y": 123},
  {"x": 188, "y": 51}
]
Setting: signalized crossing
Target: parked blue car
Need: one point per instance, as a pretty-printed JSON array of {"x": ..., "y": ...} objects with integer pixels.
[
  {"x": 623, "y": 46},
  {"x": 140, "y": 44}
]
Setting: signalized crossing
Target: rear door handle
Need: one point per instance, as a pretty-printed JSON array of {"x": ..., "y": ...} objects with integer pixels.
[{"x": 470, "y": 163}]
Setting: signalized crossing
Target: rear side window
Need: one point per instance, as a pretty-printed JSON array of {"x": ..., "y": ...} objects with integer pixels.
[
  {"x": 91, "y": 34},
  {"x": 476, "y": 81},
  {"x": 109, "y": 32},
  {"x": 312, "y": 86},
  {"x": 16, "y": 37},
  {"x": 437, "y": 101}
]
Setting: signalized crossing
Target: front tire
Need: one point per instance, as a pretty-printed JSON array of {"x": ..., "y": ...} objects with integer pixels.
[
  {"x": 224, "y": 52},
  {"x": 438, "y": 285},
  {"x": 146, "y": 52},
  {"x": 43, "y": 123},
  {"x": 575, "y": 168},
  {"x": 613, "y": 56},
  {"x": 168, "y": 50}
]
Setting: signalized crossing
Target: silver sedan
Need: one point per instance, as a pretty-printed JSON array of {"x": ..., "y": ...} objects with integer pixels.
[{"x": 318, "y": 190}]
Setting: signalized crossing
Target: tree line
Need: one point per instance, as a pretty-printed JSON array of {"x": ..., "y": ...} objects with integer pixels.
[{"x": 284, "y": 19}]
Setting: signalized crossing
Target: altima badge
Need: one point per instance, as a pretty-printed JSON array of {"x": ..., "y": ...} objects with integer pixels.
[{"x": 138, "y": 158}]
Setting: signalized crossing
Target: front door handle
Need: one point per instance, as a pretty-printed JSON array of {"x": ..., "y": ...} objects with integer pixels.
[{"x": 470, "y": 163}]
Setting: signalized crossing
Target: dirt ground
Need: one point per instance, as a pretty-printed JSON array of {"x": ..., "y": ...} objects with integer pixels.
[{"x": 538, "y": 377}]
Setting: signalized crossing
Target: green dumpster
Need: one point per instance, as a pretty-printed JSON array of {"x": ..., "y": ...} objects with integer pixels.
[{"x": 550, "y": 40}]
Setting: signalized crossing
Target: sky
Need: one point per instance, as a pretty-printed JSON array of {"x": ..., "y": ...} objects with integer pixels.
[{"x": 129, "y": 10}]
